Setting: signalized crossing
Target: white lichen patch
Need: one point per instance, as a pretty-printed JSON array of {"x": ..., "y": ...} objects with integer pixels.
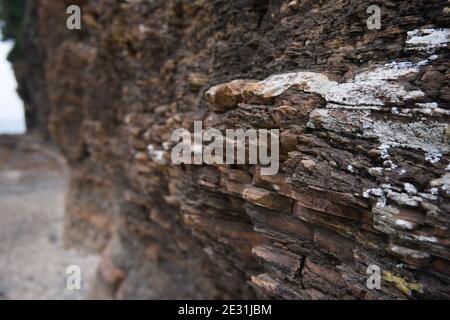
[
  {"x": 389, "y": 165},
  {"x": 433, "y": 157},
  {"x": 307, "y": 81},
  {"x": 403, "y": 198},
  {"x": 426, "y": 109},
  {"x": 410, "y": 189},
  {"x": 388, "y": 192},
  {"x": 425, "y": 238},
  {"x": 384, "y": 151},
  {"x": 379, "y": 194},
  {"x": 375, "y": 87},
  {"x": 407, "y": 225},
  {"x": 427, "y": 39},
  {"x": 416, "y": 135},
  {"x": 389, "y": 71},
  {"x": 428, "y": 105},
  {"x": 352, "y": 107},
  {"x": 374, "y": 191},
  {"x": 324, "y": 118},
  {"x": 409, "y": 252},
  {"x": 368, "y": 86},
  {"x": 156, "y": 155}
]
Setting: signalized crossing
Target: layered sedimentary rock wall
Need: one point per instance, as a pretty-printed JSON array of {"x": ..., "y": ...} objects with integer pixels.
[{"x": 364, "y": 145}]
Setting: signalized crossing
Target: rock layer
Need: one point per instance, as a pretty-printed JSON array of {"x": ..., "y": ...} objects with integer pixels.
[{"x": 363, "y": 119}]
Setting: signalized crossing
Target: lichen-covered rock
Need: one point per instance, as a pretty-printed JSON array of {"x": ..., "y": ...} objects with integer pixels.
[{"x": 363, "y": 118}]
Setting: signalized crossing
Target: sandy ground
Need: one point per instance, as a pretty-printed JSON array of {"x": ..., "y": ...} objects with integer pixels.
[{"x": 33, "y": 260}]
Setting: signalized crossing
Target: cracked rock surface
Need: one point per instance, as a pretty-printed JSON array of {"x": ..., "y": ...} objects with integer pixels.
[{"x": 364, "y": 145}]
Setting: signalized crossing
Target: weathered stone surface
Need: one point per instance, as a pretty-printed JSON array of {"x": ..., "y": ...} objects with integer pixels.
[
  {"x": 268, "y": 199},
  {"x": 363, "y": 118}
]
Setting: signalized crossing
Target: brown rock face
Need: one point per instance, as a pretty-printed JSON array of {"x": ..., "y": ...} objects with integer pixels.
[{"x": 364, "y": 156}]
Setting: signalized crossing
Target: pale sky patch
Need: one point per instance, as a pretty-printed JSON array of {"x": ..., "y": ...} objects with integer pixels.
[{"x": 12, "y": 119}]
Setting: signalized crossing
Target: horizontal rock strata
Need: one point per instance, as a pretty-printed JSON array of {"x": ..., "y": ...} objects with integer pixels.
[{"x": 364, "y": 146}]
